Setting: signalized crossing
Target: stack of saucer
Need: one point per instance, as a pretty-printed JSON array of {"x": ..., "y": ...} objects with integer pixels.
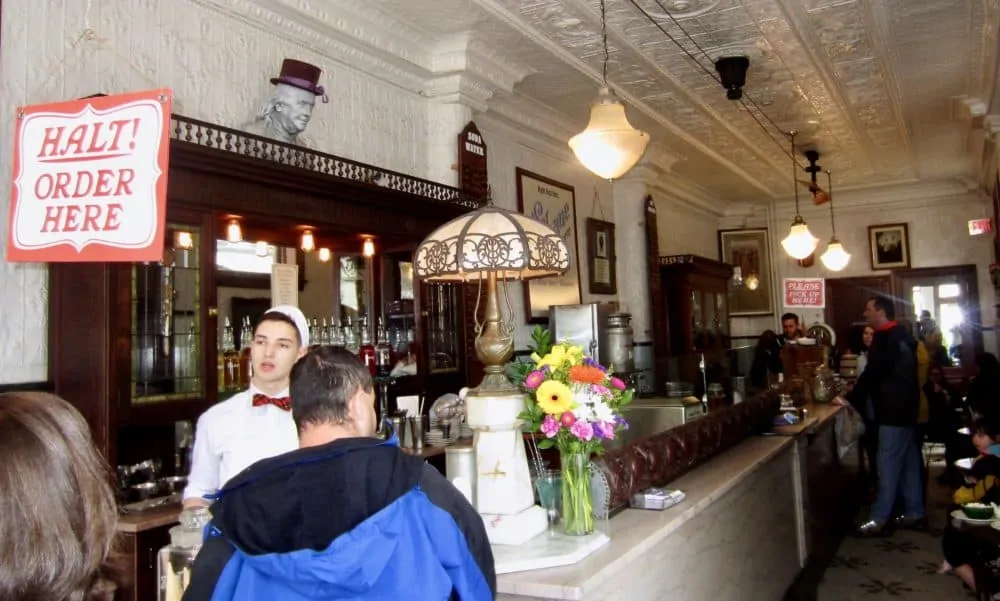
[{"x": 435, "y": 438}]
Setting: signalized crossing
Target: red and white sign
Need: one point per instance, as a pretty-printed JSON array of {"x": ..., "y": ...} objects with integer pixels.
[
  {"x": 805, "y": 293},
  {"x": 90, "y": 179},
  {"x": 980, "y": 226}
]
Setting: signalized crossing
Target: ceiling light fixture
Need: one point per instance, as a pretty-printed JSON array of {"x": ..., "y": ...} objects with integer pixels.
[
  {"x": 610, "y": 146},
  {"x": 308, "y": 243},
  {"x": 836, "y": 257},
  {"x": 799, "y": 243},
  {"x": 324, "y": 255},
  {"x": 233, "y": 231}
]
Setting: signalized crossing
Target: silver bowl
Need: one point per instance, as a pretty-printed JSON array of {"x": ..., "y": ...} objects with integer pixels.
[
  {"x": 172, "y": 484},
  {"x": 143, "y": 491}
]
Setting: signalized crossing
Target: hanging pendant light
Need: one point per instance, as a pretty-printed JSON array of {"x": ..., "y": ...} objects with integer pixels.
[
  {"x": 799, "y": 243},
  {"x": 610, "y": 146},
  {"x": 836, "y": 257}
]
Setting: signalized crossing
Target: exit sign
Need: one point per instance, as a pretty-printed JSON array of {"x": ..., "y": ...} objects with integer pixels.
[{"x": 980, "y": 226}]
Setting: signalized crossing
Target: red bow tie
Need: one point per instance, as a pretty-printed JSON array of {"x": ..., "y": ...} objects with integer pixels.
[{"x": 281, "y": 402}]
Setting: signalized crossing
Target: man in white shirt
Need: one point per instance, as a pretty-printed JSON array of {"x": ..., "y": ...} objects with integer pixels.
[{"x": 256, "y": 423}]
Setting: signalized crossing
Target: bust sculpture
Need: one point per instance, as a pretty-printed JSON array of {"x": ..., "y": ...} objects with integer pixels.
[{"x": 287, "y": 113}]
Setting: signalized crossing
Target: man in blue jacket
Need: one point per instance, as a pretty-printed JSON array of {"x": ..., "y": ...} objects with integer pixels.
[
  {"x": 890, "y": 380},
  {"x": 346, "y": 516}
]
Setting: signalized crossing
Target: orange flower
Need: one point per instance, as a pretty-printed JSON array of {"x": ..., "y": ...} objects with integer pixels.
[{"x": 585, "y": 374}]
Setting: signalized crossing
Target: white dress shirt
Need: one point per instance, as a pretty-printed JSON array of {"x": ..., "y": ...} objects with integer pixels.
[{"x": 233, "y": 435}]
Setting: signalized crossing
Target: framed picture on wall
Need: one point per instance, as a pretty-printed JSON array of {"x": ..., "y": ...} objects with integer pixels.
[
  {"x": 554, "y": 204},
  {"x": 748, "y": 249},
  {"x": 602, "y": 276},
  {"x": 889, "y": 246}
]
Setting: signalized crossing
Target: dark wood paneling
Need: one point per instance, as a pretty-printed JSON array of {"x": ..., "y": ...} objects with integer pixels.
[{"x": 845, "y": 303}]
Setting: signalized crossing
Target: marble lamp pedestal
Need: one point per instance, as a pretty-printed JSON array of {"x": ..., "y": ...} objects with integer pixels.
[{"x": 504, "y": 495}]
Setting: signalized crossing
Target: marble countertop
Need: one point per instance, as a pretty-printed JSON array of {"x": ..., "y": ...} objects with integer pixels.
[
  {"x": 635, "y": 531},
  {"x": 147, "y": 520},
  {"x": 818, "y": 414}
]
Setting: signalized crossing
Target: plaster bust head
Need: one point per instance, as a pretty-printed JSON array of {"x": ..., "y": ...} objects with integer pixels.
[{"x": 287, "y": 113}]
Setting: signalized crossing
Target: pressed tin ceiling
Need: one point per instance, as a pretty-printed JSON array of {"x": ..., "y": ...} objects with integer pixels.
[{"x": 871, "y": 84}]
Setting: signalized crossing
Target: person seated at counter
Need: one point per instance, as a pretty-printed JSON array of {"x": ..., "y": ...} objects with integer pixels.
[
  {"x": 961, "y": 549},
  {"x": 766, "y": 361},
  {"x": 57, "y": 526},
  {"x": 256, "y": 423},
  {"x": 347, "y": 515},
  {"x": 790, "y": 329}
]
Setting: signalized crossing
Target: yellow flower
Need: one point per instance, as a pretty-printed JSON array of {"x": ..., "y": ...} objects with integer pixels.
[
  {"x": 555, "y": 398},
  {"x": 554, "y": 359}
]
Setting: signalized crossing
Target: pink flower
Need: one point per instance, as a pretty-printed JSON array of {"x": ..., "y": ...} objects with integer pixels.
[
  {"x": 534, "y": 380},
  {"x": 568, "y": 419},
  {"x": 550, "y": 427},
  {"x": 601, "y": 390},
  {"x": 582, "y": 430},
  {"x": 617, "y": 383},
  {"x": 609, "y": 431}
]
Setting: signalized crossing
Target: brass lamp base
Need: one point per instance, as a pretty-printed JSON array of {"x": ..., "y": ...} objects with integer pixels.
[{"x": 494, "y": 347}]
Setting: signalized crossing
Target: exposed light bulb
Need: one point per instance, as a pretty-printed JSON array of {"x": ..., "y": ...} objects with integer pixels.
[
  {"x": 752, "y": 282},
  {"x": 800, "y": 243},
  {"x": 233, "y": 231},
  {"x": 308, "y": 243},
  {"x": 324, "y": 254},
  {"x": 183, "y": 240},
  {"x": 610, "y": 146},
  {"x": 835, "y": 258}
]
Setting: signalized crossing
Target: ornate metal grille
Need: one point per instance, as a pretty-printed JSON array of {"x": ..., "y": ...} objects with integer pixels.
[{"x": 224, "y": 139}]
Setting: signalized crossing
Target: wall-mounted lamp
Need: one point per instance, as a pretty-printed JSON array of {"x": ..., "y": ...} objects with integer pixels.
[
  {"x": 233, "y": 231},
  {"x": 308, "y": 243},
  {"x": 183, "y": 240},
  {"x": 324, "y": 255},
  {"x": 737, "y": 277},
  {"x": 368, "y": 248}
]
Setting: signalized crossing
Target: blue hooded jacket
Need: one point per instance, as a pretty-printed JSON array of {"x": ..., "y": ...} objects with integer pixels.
[{"x": 352, "y": 520}]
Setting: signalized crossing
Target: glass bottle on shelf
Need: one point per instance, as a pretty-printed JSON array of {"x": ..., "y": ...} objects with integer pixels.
[
  {"x": 350, "y": 339},
  {"x": 336, "y": 334},
  {"x": 383, "y": 351},
  {"x": 246, "y": 364},
  {"x": 231, "y": 358},
  {"x": 314, "y": 337},
  {"x": 366, "y": 352},
  {"x": 324, "y": 333},
  {"x": 220, "y": 360}
]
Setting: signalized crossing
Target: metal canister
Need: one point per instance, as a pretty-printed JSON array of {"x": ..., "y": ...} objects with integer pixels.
[
  {"x": 620, "y": 343},
  {"x": 460, "y": 469}
]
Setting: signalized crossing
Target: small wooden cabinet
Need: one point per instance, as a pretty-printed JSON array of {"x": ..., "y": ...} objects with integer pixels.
[
  {"x": 695, "y": 302},
  {"x": 140, "y": 550}
]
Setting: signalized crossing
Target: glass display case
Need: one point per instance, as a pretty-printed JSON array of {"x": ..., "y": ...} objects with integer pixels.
[{"x": 167, "y": 322}]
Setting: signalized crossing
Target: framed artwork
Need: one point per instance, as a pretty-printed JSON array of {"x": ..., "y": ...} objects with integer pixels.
[
  {"x": 554, "y": 204},
  {"x": 603, "y": 278},
  {"x": 749, "y": 250},
  {"x": 889, "y": 246}
]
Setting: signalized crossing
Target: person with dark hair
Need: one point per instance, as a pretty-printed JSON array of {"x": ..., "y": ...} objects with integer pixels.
[
  {"x": 766, "y": 360},
  {"x": 57, "y": 509},
  {"x": 790, "y": 328},
  {"x": 346, "y": 516},
  {"x": 982, "y": 393},
  {"x": 256, "y": 423},
  {"x": 890, "y": 381},
  {"x": 962, "y": 549}
]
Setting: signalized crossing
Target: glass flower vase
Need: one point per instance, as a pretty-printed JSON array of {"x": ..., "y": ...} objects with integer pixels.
[{"x": 577, "y": 513}]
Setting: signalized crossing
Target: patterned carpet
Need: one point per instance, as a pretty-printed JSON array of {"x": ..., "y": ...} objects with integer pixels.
[{"x": 902, "y": 567}]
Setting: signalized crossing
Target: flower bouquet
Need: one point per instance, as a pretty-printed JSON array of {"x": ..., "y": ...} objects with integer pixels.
[{"x": 576, "y": 404}]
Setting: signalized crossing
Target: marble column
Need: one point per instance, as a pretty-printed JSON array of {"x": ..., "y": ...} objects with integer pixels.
[
  {"x": 447, "y": 116},
  {"x": 629, "y": 194}
]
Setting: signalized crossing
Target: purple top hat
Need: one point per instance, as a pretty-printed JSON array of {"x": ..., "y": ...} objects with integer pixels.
[{"x": 301, "y": 75}]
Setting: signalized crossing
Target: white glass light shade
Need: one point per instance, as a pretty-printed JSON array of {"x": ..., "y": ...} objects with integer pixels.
[
  {"x": 800, "y": 243},
  {"x": 308, "y": 243},
  {"x": 233, "y": 231},
  {"x": 368, "y": 248},
  {"x": 610, "y": 146},
  {"x": 491, "y": 239},
  {"x": 183, "y": 240},
  {"x": 835, "y": 257},
  {"x": 752, "y": 282},
  {"x": 324, "y": 255}
]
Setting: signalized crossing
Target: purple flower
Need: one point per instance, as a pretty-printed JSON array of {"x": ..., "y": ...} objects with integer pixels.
[
  {"x": 621, "y": 422},
  {"x": 590, "y": 362},
  {"x": 534, "y": 380},
  {"x": 550, "y": 427},
  {"x": 604, "y": 430},
  {"x": 617, "y": 383},
  {"x": 582, "y": 430}
]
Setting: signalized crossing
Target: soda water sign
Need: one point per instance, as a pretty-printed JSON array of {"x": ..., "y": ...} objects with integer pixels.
[
  {"x": 90, "y": 179},
  {"x": 805, "y": 293}
]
